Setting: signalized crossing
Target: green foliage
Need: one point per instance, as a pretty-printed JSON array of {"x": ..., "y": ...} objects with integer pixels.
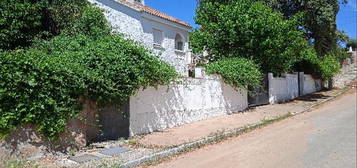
[
  {"x": 329, "y": 67},
  {"x": 22, "y": 21},
  {"x": 352, "y": 43},
  {"x": 325, "y": 67},
  {"x": 340, "y": 54},
  {"x": 91, "y": 22},
  {"x": 237, "y": 72},
  {"x": 249, "y": 30},
  {"x": 319, "y": 21},
  {"x": 45, "y": 83},
  {"x": 308, "y": 63}
]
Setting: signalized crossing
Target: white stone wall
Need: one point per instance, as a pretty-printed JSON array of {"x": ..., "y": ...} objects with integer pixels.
[
  {"x": 311, "y": 85},
  {"x": 348, "y": 72},
  {"x": 139, "y": 26},
  {"x": 284, "y": 88},
  {"x": 184, "y": 102}
]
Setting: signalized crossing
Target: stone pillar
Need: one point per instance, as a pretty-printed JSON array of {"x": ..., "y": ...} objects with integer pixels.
[
  {"x": 270, "y": 88},
  {"x": 301, "y": 78}
]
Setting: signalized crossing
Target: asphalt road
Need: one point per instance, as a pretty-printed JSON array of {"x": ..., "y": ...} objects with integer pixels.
[{"x": 322, "y": 138}]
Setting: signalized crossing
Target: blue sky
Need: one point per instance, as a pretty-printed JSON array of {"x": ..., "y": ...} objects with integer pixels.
[
  {"x": 347, "y": 18},
  {"x": 185, "y": 10}
]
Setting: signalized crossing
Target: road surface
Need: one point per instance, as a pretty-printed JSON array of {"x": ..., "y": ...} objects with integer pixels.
[{"x": 322, "y": 138}]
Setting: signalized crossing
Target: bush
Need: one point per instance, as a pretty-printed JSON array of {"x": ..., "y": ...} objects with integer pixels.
[
  {"x": 43, "y": 93},
  {"x": 237, "y": 72},
  {"x": 325, "y": 67},
  {"x": 42, "y": 86},
  {"x": 328, "y": 67}
]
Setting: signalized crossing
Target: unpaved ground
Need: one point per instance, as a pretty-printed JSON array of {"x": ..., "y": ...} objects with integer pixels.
[
  {"x": 324, "y": 137},
  {"x": 194, "y": 131}
]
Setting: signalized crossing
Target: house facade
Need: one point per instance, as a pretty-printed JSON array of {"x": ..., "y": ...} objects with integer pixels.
[
  {"x": 185, "y": 101},
  {"x": 164, "y": 35}
]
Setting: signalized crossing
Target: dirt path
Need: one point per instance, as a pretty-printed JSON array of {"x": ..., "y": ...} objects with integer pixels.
[{"x": 325, "y": 137}]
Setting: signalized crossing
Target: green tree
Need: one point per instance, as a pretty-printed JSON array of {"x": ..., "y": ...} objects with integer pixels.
[
  {"x": 252, "y": 30},
  {"x": 21, "y": 21},
  {"x": 319, "y": 20}
]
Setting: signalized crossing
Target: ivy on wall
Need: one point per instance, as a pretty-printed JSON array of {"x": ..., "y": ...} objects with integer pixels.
[{"x": 41, "y": 84}]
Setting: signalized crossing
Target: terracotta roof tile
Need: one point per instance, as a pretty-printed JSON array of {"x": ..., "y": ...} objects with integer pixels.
[
  {"x": 154, "y": 12},
  {"x": 164, "y": 16}
]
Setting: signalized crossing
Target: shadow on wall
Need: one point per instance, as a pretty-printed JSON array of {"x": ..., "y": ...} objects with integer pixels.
[
  {"x": 118, "y": 7},
  {"x": 189, "y": 101},
  {"x": 291, "y": 86},
  {"x": 283, "y": 88}
]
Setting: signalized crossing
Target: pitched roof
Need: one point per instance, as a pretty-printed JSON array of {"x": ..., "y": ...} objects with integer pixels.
[{"x": 154, "y": 12}]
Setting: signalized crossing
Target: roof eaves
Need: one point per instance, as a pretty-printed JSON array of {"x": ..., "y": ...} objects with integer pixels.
[
  {"x": 157, "y": 13},
  {"x": 152, "y": 11}
]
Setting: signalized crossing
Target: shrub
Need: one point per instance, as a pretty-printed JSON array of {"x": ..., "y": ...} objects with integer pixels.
[
  {"x": 247, "y": 29},
  {"x": 328, "y": 67},
  {"x": 42, "y": 85},
  {"x": 237, "y": 72},
  {"x": 325, "y": 67}
]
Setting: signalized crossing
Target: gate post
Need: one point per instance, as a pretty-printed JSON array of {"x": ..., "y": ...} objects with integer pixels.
[{"x": 301, "y": 83}]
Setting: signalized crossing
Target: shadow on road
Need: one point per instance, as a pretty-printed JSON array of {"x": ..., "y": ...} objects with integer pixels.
[{"x": 313, "y": 97}]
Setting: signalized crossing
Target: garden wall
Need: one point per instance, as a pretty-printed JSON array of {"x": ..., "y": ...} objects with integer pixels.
[
  {"x": 311, "y": 85},
  {"x": 184, "y": 102},
  {"x": 283, "y": 88}
]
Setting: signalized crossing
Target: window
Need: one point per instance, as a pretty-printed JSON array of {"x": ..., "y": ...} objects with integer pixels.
[
  {"x": 137, "y": 1},
  {"x": 179, "y": 45},
  {"x": 158, "y": 37}
]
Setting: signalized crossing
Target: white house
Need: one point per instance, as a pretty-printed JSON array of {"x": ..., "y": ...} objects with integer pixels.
[
  {"x": 152, "y": 109},
  {"x": 165, "y": 35}
]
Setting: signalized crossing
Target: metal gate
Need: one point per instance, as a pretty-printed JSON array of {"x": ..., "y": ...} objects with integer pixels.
[{"x": 259, "y": 96}]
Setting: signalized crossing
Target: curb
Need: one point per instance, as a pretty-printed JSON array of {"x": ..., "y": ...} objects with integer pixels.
[{"x": 216, "y": 138}]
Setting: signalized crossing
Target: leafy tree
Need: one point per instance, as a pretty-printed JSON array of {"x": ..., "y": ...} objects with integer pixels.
[
  {"x": 21, "y": 21},
  {"x": 319, "y": 20},
  {"x": 252, "y": 30}
]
